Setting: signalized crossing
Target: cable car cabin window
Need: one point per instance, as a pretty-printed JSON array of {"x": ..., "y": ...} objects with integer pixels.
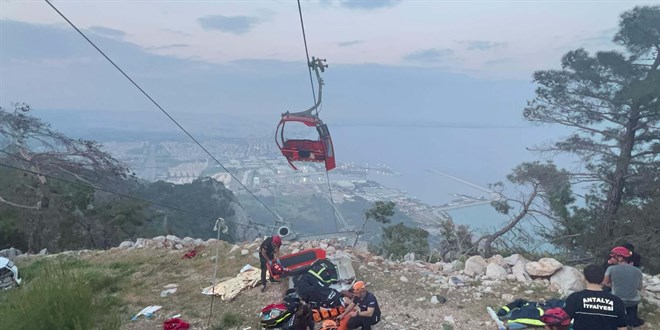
[
  {"x": 298, "y": 131},
  {"x": 323, "y": 131},
  {"x": 329, "y": 150}
]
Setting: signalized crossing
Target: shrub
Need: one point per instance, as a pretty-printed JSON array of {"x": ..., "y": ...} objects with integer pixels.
[{"x": 399, "y": 239}]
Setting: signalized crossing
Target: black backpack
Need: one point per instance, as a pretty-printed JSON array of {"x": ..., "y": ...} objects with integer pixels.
[
  {"x": 325, "y": 271},
  {"x": 316, "y": 293},
  {"x": 275, "y": 318}
]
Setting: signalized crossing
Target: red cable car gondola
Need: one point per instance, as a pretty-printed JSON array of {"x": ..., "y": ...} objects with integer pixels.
[{"x": 305, "y": 150}]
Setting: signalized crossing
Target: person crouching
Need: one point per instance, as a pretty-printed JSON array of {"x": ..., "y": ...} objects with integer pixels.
[{"x": 368, "y": 312}]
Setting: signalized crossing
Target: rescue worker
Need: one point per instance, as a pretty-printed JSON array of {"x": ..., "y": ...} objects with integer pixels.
[
  {"x": 368, "y": 312},
  {"x": 269, "y": 253},
  {"x": 593, "y": 308}
]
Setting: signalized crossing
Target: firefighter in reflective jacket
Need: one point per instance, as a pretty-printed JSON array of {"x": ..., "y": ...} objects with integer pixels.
[{"x": 324, "y": 271}]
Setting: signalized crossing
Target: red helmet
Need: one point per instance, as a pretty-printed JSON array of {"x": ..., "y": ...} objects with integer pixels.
[
  {"x": 556, "y": 316},
  {"x": 620, "y": 251},
  {"x": 277, "y": 240}
]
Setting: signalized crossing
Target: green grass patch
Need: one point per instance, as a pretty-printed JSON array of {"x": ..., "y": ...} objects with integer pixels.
[
  {"x": 59, "y": 295},
  {"x": 231, "y": 320}
]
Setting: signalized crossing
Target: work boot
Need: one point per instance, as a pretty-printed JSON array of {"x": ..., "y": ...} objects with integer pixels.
[{"x": 263, "y": 288}]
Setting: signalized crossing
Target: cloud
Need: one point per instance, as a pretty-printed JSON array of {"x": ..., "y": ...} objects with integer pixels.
[
  {"x": 229, "y": 24},
  {"x": 108, "y": 32},
  {"x": 350, "y": 43},
  {"x": 177, "y": 32},
  {"x": 482, "y": 44},
  {"x": 498, "y": 61},
  {"x": 171, "y": 46},
  {"x": 431, "y": 55},
  {"x": 368, "y": 4},
  {"x": 57, "y": 65}
]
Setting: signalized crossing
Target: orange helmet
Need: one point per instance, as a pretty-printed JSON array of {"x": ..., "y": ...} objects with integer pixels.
[
  {"x": 329, "y": 325},
  {"x": 359, "y": 286}
]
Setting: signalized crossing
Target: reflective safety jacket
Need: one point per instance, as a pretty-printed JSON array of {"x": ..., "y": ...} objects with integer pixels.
[
  {"x": 324, "y": 270},
  {"x": 529, "y": 313}
]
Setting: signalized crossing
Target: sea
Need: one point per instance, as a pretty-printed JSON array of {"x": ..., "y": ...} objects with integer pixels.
[{"x": 479, "y": 156}]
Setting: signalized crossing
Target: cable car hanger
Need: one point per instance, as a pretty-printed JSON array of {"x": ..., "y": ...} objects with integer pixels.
[{"x": 316, "y": 64}]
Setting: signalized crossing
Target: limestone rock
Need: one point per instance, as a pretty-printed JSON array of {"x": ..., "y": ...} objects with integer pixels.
[
  {"x": 234, "y": 249},
  {"x": 569, "y": 280},
  {"x": 498, "y": 260},
  {"x": 475, "y": 265},
  {"x": 518, "y": 270},
  {"x": 126, "y": 245},
  {"x": 514, "y": 258},
  {"x": 495, "y": 271},
  {"x": 543, "y": 267}
]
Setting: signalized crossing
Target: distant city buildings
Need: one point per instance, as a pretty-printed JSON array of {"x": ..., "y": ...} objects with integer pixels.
[{"x": 257, "y": 165}]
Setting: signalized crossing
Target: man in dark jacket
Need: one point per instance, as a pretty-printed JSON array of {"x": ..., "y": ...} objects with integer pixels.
[
  {"x": 269, "y": 253},
  {"x": 368, "y": 311}
]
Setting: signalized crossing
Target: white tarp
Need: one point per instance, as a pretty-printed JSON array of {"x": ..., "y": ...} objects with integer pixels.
[{"x": 248, "y": 278}]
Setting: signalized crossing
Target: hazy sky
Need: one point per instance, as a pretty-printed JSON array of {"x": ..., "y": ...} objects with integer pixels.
[
  {"x": 438, "y": 64},
  {"x": 486, "y": 39}
]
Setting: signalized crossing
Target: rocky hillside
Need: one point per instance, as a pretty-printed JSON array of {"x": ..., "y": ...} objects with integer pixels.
[{"x": 413, "y": 294}]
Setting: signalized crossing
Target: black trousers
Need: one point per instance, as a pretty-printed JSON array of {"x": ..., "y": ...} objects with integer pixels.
[
  {"x": 631, "y": 317},
  {"x": 362, "y": 322},
  {"x": 263, "y": 269}
]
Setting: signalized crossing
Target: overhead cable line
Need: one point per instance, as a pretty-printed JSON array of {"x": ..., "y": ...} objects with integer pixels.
[
  {"x": 311, "y": 82},
  {"x": 161, "y": 109},
  {"x": 332, "y": 202},
  {"x": 309, "y": 69}
]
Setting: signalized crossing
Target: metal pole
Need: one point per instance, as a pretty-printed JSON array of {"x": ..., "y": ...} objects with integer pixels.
[{"x": 219, "y": 224}]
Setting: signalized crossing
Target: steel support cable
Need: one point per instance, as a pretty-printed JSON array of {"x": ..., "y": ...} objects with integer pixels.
[
  {"x": 161, "y": 108},
  {"x": 311, "y": 82},
  {"x": 332, "y": 201},
  {"x": 309, "y": 68}
]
